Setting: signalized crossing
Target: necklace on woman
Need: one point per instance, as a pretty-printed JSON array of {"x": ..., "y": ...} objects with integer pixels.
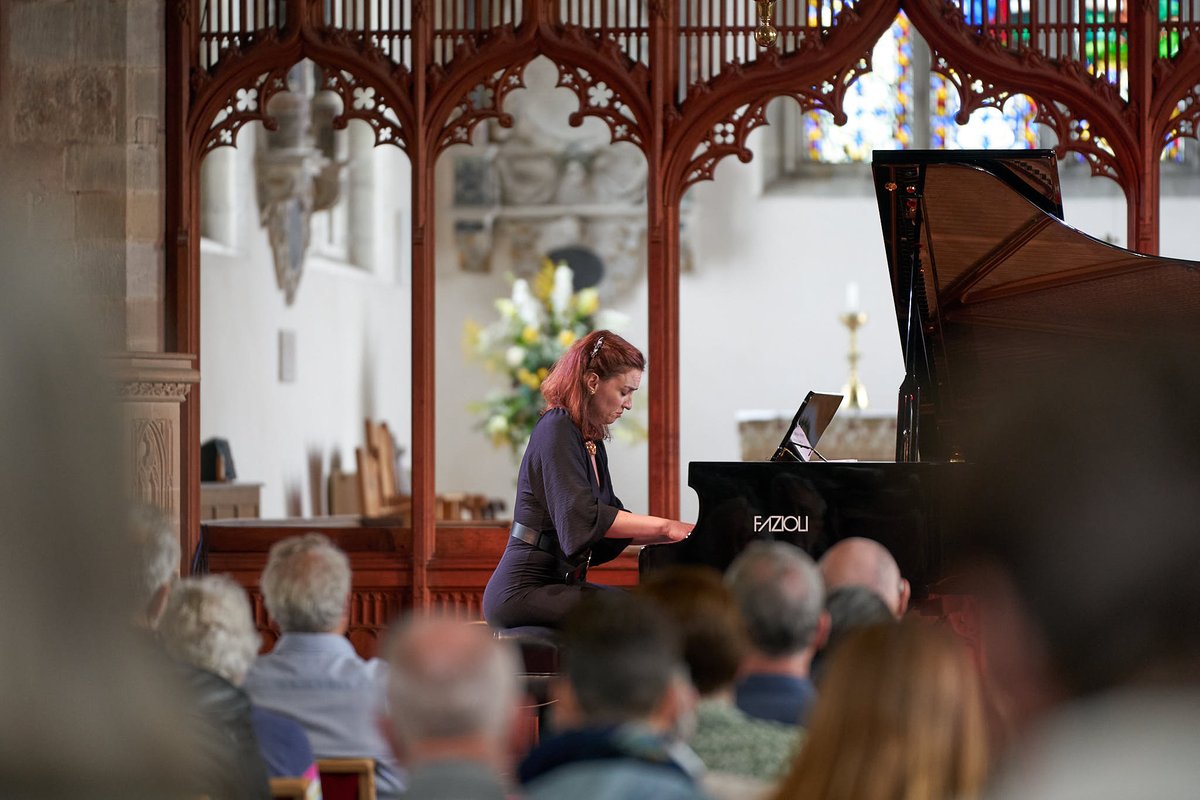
[{"x": 590, "y": 445}]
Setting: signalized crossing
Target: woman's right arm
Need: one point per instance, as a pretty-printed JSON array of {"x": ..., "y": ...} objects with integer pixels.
[{"x": 645, "y": 529}]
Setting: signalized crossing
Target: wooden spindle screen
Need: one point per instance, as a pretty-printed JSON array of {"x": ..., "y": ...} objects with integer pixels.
[
  {"x": 622, "y": 21},
  {"x": 1093, "y": 32},
  {"x": 456, "y": 22},
  {"x": 385, "y": 24},
  {"x": 234, "y": 25}
]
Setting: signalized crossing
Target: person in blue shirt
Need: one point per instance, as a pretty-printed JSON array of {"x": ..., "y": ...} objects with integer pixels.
[{"x": 313, "y": 675}]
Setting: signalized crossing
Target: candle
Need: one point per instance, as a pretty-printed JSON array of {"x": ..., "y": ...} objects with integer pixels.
[{"x": 852, "y": 296}]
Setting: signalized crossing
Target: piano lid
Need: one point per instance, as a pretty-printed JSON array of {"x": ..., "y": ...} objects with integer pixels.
[{"x": 1001, "y": 285}]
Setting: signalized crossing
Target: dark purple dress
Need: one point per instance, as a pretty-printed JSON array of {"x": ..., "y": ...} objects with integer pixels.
[{"x": 556, "y": 493}]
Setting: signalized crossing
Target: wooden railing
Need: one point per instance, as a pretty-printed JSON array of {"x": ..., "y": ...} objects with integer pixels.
[{"x": 381, "y": 557}]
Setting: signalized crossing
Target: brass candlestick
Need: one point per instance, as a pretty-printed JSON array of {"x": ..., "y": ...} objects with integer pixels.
[
  {"x": 765, "y": 34},
  {"x": 855, "y": 392}
]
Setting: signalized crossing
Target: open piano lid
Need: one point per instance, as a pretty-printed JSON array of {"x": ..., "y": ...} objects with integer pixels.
[{"x": 1001, "y": 285}]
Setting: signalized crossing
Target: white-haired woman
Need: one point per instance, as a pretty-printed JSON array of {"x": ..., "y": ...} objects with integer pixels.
[{"x": 208, "y": 628}]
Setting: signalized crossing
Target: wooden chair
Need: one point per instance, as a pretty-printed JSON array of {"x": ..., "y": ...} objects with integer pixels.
[
  {"x": 376, "y": 461},
  {"x": 347, "y": 778},
  {"x": 295, "y": 789},
  {"x": 343, "y": 493},
  {"x": 377, "y": 485}
]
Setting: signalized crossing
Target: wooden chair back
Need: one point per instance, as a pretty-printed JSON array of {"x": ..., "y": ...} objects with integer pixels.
[
  {"x": 347, "y": 778},
  {"x": 295, "y": 789},
  {"x": 370, "y": 503}
]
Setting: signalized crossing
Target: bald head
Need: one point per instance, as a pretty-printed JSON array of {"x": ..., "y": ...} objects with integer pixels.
[
  {"x": 450, "y": 681},
  {"x": 865, "y": 562}
]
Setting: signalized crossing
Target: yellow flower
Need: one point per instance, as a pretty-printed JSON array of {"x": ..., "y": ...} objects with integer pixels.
[
  {"x": 588, "y": 300},
  {"x": 530, "y": 335},
  {"x": 471, "y": 333},
  {"x": 543, "y": 284},
  {"x": 566, "y": 337},
  {"x": 528, "y": 378},
  {"x": 541, "y": 374}
]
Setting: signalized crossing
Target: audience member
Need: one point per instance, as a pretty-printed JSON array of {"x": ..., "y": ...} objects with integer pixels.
[
  {"x": 452, "y": 694},
  {"x": 1086, "y": 586},
  {"x": 900, "y": 716},
  {"x": 779, "y": 592},
  {"x": 849, "y": 608},
  {"x": 314, "y": 675},
  {"x": 156, "y": 543},
  {"x": 865, "y": 562},
  {"x": 621, "y": 701},
  {"x": 728, "y": 740},
  {"x": 87, "y": 709},
  {"x": 207, "y": 628},
  {"x": 210, "y": 629}
]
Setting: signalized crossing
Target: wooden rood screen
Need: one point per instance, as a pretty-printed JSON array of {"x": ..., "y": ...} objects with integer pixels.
[{"x": 682, "y": 79}]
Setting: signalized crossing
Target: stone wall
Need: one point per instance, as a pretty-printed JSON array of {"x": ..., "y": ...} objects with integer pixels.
[{"x": 81, "y": 149}]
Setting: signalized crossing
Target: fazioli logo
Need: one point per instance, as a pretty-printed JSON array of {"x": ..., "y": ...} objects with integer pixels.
[{"x": 779, "y": 523}]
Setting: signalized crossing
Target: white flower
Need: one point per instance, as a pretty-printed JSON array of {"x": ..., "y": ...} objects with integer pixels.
[
  {"x": 496, "y": 424},
  {"x": 612, "y": 320},
  {"x": 506, "y": 308},
  {"x": 527, "y": 306},
  {"x": 515, "y": 356},
  {"x": 564, "y": 287}
]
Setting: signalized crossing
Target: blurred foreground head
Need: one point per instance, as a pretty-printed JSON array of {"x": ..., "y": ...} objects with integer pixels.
[
  {"x": 899, "y": 715},
  {"x": 86, "y": 713},
  {"x": 1085, "y": 515},
  {"x": 621, "y": 659},
  {"x": 453, "y": 688}
]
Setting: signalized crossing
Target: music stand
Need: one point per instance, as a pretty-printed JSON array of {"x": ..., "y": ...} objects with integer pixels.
[{"x": 810, "y": 422}]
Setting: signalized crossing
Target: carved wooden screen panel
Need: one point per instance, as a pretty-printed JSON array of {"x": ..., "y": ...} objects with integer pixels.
[
  {"x": 230, "y": 25},
  {"x": 459, "y": 24},
  {"x": 716, "y": 35},
  {"x": 1092, "y": 32},
  {"x": 624, "y": 22},
  {"x": 383, "y": 24}
]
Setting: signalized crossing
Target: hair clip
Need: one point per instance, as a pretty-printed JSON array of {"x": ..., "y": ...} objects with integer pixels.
[{"x": 596, "y": 348}]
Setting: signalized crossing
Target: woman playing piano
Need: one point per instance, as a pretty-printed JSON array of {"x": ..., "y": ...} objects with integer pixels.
[{"x": 567, "y": 515}]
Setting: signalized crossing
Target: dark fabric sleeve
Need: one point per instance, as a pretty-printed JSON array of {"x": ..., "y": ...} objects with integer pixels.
[
  {"x": 560, "y": 467},
  {"x": 607, "y": 549}
]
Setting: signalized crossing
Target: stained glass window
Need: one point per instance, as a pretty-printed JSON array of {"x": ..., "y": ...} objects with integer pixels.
[
  {"x": 878, "y": 106},
  {"x": 882, "y": 112}
]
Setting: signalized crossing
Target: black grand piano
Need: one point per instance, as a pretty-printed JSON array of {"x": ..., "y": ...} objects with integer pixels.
[{"x": 989, "y": 285}]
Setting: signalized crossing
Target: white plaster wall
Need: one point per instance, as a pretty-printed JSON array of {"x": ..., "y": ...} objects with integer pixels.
[
  {"x": 759, "y": 328},
  {"x": 352, "y": 331}
]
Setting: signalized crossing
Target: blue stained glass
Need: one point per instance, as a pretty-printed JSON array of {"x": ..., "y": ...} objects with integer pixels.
[{"x": 879, "y": 108}]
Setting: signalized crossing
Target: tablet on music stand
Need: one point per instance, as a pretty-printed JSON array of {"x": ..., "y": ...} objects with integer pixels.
[{"x": 810, "y": 422}]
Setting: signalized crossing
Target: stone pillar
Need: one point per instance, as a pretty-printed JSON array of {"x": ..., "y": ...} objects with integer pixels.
[
  {"x": 81, "y": 164},
  {"x": 152, "y": 388}
]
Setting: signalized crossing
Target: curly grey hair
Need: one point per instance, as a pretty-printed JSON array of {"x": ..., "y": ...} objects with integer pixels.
[
  {"x": 781, "y": 596},
  {"x": 156, "y": 544},
  {"x": 208, "y": 624},
  {"x": 305, "y": 584}
]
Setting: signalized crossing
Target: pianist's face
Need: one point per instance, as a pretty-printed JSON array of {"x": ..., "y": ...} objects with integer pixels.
[{"x": 614, "y": 396}]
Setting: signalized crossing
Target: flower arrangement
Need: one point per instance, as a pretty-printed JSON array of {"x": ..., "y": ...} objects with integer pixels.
[{"x": 538, "y": 322}]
